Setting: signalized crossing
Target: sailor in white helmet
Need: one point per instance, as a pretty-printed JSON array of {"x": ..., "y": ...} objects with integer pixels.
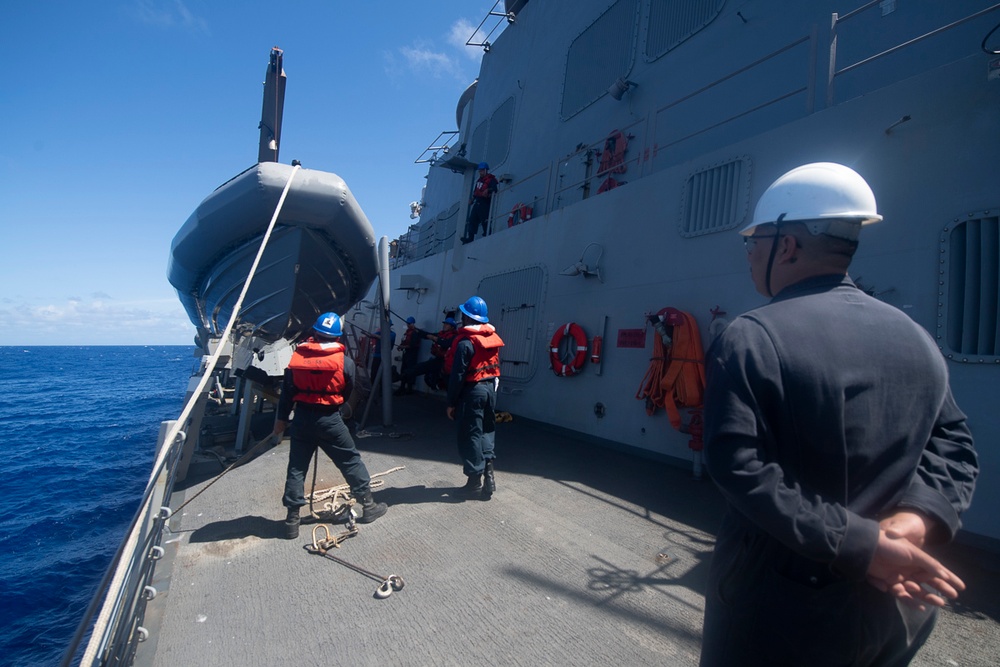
[{"x": 831, "y": 431}]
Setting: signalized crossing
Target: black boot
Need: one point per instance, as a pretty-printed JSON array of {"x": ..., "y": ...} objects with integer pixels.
[
  {"x": 489, "y": 482},
  {"x": 372, "y": 509},
  {"x": 473, "y": 487},
  {"x": 292, "y": 523}
]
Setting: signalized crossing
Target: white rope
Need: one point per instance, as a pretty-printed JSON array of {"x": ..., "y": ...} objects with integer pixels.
[
  {"x": 319, "y": 495},
  {"x": 124, "y": 564}
]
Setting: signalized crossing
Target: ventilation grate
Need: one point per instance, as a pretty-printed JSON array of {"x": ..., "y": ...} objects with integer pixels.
[
  {"x": 716, "y": 199},
  {"x": 673, "y": 21},
  {"x": 970, "y": 289}
]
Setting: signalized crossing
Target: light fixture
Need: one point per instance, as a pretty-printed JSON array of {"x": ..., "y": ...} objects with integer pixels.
[
  {"x": 618, "y": 89},
  {"x": 589, "y": 264},
  {"x": 272, "y": 144}
]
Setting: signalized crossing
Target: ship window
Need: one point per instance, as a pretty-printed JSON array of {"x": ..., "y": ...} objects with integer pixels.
[
  {"x": 514, "y": 302},
  {"x": 716, "y": 199},
  {"x": 673, "y": 21},
  {"x": 970, "y": 289},
  {"x": 499, "y": 138},
  {"x": 599, "y": 56},
  {"x": 491, "y": 138},
  {"x": 478, "y": 148}
]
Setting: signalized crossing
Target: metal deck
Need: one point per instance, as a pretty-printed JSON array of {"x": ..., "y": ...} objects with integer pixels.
[{"x": 584, "y": 555}]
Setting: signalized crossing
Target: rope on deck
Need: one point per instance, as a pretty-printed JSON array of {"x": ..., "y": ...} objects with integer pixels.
[{"x": 341, "y": 495}]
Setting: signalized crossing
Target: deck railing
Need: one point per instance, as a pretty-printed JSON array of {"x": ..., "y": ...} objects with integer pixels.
[{"x": 116, "y": 629}]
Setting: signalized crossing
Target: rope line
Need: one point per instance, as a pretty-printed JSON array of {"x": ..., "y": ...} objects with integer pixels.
[
  {"x": 235, "y": 464},
  {"x": 173, "y": 434}
]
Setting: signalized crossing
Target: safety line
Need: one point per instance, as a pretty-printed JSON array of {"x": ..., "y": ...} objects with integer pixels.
[{"x": 97, "y": 636}]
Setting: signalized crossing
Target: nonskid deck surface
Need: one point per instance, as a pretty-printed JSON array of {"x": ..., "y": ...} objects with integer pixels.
[{"x": 584, "y": 555}]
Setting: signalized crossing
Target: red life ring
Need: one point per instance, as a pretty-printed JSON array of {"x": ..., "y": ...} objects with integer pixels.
[
  {"x": 578, "y": 347},
  {"x": 520, "y": 213}
]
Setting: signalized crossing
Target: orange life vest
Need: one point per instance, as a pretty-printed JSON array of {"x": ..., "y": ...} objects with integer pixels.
[
  {"x": 613, "y": 155},
  {"x": 486, "y": 346},
  {"x": 407, "y": 339},
  {"x": 485, "y": 187},
  {"x": 440, "y": 347},
  {"x": 318, "y": 373}
]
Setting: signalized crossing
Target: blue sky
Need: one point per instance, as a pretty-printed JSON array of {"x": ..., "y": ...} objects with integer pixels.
[{"x": 119, "y": 117}]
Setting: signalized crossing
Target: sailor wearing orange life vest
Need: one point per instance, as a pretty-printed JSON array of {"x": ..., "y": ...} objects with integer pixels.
[
  {"x": 472, "y": 366},
  {"x": 319, "y": 377},
  {"x": 482, "y": 195}
]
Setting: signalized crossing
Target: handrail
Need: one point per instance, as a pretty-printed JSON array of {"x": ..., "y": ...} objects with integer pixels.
[
  {"x": 559, "y": 189},
  {"x": 915, "y": 40},
  {"x": 502, "y": 16},
  {"x": 444, "y": 146},
  {"x": 118, "y": 572}
]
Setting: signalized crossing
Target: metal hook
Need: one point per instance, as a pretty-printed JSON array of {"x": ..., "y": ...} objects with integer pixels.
[{"x": 384, "y": 590}]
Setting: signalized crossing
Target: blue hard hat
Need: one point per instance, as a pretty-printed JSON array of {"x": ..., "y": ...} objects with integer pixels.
[
  {"x": 483, "y": 165},
  {"x": 450, "y": 320},
  {"x": 328, "y": 324},
  {"x": 410, "y": 320},
  {"x": 475, "y": 308}
]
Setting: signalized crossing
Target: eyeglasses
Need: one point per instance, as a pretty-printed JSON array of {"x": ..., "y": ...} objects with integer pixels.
[{"x": 750, "y": 242}]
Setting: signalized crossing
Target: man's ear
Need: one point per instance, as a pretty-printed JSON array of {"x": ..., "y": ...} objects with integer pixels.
[{"x": 787, "y": 249}]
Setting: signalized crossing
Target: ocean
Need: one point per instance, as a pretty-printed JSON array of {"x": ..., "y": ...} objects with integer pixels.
[{"x": 80, "y": 427}]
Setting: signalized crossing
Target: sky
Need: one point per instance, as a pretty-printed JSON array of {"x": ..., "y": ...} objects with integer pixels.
[{"x": 121, "y": 116}]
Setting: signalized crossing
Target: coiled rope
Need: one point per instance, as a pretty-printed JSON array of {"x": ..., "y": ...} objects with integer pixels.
[{"x": 341, "y": 494}]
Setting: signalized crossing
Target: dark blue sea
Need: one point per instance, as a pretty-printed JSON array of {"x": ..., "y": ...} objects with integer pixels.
[{"x": 79, "y": 427}]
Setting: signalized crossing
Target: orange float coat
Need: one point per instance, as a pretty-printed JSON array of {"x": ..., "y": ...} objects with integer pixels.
[
  {"x": 486, "y": 344},
  {"x": 318, "y": 373},
  {"x": 676, "y": 375}
]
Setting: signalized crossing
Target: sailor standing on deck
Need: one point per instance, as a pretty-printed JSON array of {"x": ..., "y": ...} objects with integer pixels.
[
  {"x": 831, "y": 431},
  {"x": 319, "y": 378},
  {"x": 472, "y": 366},
  {"x": 431, "y": 368},
  {"x": 410, "y": 347}
]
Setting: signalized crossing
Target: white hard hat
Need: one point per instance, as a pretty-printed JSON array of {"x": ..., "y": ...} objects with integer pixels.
[{"x": 828, "y": 198}]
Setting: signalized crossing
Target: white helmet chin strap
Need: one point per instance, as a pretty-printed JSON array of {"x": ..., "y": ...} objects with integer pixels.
[{"x": 774, "y": 251}]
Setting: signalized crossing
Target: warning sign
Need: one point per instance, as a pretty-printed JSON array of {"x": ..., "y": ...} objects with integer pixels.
[{"x": 635, "y": 338}]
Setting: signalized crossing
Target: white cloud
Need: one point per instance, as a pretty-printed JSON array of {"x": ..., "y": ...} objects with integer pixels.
[
  {"x": 172, "y": 14},
  {"x": 96, "y": 321},
  {"x": 423, "y": 58},
  {"x": 461, "y": 32},
  {"x": 427, "y": 61}
]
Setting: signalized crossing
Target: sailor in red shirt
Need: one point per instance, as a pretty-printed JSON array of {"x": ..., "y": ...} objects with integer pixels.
[
  {"x": 431, "y": 368},
  {"x": 472, "y": 366},
  {"x": 410, "y": 347},
  {"x": 482, "y": 195}
]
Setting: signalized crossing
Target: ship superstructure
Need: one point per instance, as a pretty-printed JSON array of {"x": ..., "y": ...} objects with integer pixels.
[{"x": 632, "y": 139}]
